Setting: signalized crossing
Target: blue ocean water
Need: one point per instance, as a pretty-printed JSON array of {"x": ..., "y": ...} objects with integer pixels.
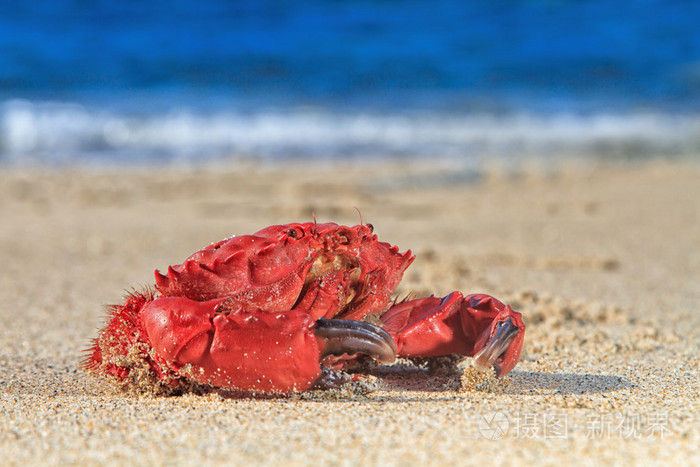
[{"x": 112, "y": 82}]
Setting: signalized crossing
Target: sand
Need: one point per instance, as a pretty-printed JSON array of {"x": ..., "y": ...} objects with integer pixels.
[{"x": 603, "y": 262}]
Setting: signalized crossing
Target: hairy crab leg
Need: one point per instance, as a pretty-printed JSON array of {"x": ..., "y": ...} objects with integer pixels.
[{"x": 344, "y": 336}]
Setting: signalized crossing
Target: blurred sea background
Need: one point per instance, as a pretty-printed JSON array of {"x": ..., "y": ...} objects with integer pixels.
[{"x": 108, "y": 83}]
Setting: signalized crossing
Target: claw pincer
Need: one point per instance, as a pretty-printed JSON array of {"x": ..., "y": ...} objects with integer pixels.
[
  {"x": 265, "y": 352},
  {"x": 265, "y": 313},
  {"x": 348, "y": 337}
]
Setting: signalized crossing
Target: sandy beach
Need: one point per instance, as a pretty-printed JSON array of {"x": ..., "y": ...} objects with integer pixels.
[{"x": 603, "y": 262}]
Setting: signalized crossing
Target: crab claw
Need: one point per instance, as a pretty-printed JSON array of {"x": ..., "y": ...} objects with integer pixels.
[
  {"x": 349, "y": 337},
  {"x": 495, "y": 347}
]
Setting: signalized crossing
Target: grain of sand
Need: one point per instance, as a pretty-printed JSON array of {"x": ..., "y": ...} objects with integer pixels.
[{"x": 603, "y": 262}]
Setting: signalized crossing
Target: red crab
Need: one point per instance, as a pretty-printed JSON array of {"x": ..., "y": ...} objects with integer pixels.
[{"x": 272, "y": 311}]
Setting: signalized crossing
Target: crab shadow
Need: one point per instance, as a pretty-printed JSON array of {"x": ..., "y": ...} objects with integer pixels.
[
  {"x": 402, "y": 382},
  {"x": 535, "y": 382},
  {"x": 406, "y": 378}
]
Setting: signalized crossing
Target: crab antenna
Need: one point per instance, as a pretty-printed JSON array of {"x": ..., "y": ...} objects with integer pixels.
[
  {"x": 313, "y": 214},
  {"x": 358, "y": 212}
]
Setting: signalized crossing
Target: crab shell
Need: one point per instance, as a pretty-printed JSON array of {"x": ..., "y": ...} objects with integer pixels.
[{"x": 284, "y": 267}]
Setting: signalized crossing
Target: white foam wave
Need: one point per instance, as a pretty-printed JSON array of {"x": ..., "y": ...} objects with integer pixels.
[{"x": 59, "y": 133}]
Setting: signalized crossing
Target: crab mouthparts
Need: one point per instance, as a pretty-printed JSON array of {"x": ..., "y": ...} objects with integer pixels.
[
  {"x": 485, "y": 359},
  {"x": 344, "y": 336},
  {"x": 327, "y": 265}
]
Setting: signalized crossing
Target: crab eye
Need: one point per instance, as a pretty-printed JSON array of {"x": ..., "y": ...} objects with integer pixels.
[
  {"x": 294, "y": 233},
  {"x": 370, "y": 227}
]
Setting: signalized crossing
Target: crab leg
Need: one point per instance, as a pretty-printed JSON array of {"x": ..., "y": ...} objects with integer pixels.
[{"x": 476, "y": 325}]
